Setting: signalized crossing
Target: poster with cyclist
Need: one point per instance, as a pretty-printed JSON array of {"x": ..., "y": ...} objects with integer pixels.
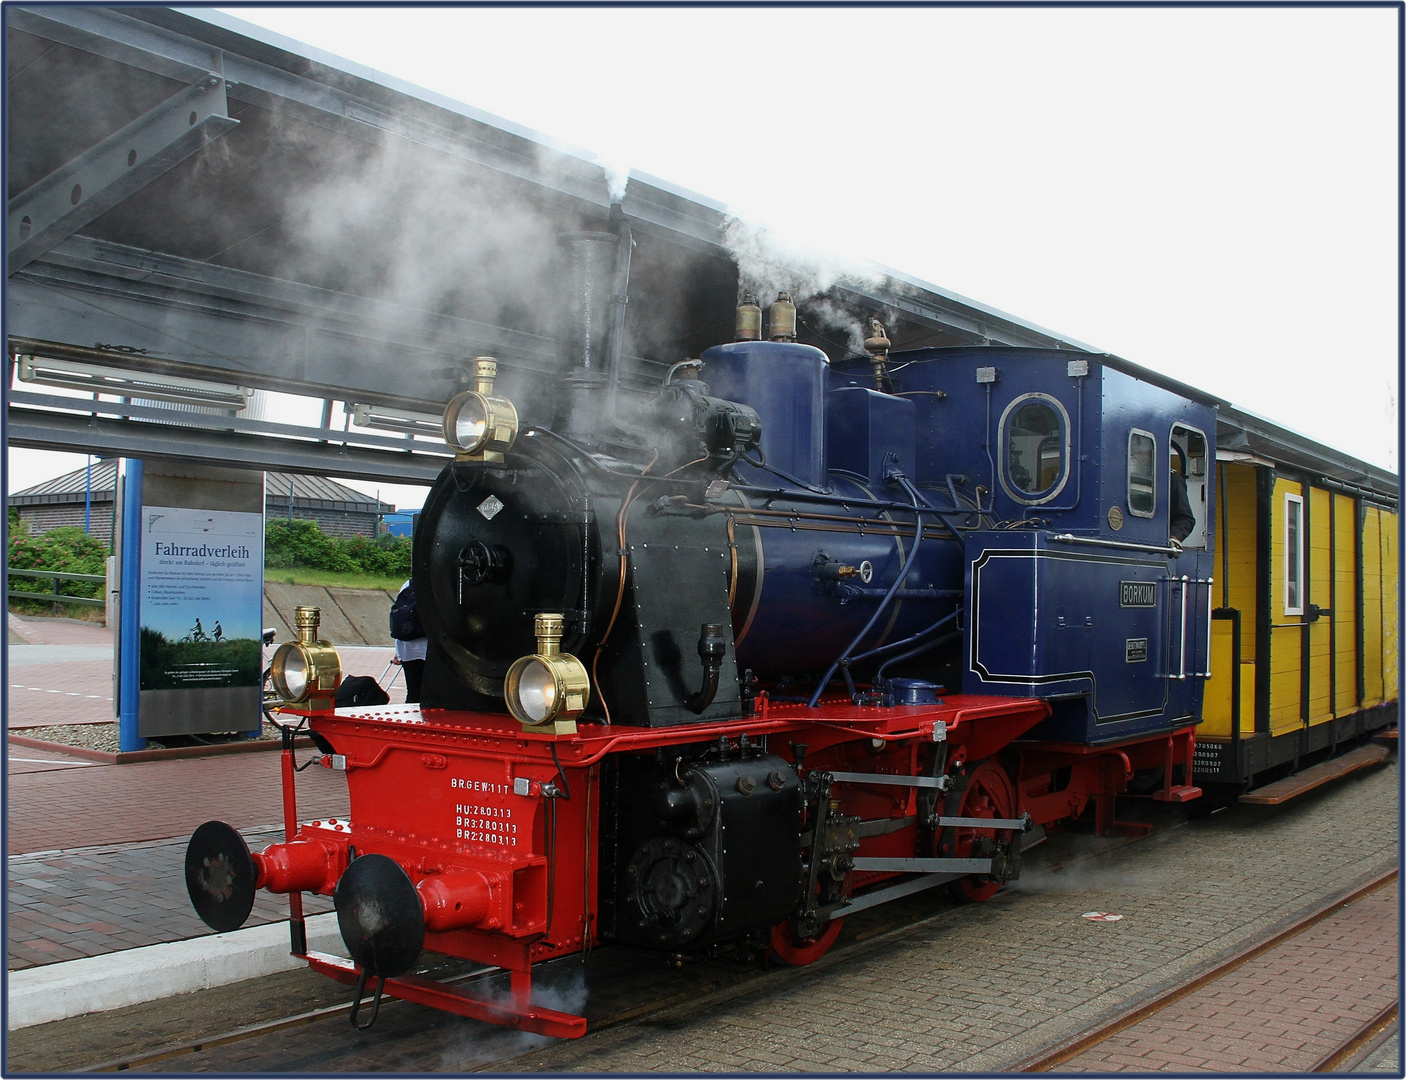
[{"x": 201, "y": 598}]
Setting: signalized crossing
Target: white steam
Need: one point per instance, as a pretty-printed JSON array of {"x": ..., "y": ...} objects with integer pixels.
[
  {"x": 558, "y": 987},
  {"x": 768, "y": 264},
  {"x": 617, "y": 175}
]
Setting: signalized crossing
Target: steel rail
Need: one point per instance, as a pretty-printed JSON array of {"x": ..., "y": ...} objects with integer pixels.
[
  {"x": 1367, "y": 1034},
  {"x": 890, "y": 929},
  {"x": 251, "y": 1031},
  {"x": 1091, "y": 1037}
]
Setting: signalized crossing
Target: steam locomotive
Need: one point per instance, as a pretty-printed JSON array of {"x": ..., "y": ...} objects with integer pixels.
[{"x": 795, "y": 639}]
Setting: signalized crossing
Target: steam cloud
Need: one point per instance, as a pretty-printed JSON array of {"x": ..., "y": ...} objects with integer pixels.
[
  {"x": 767, "y": 265},
  {"x": 617, "y": 175},
  {"x": 560, "y": 987}
]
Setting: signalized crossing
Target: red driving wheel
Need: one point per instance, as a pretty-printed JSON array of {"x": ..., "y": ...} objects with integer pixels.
[
  {"x": 790, "y": 948},
  {"x": 798, "y": 951},
  {"x": 986, "y": 793}
]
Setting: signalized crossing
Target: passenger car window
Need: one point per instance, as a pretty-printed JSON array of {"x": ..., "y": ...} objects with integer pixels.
[
  {"x": 1293, "y": 555},
  {"x": 1034, "y": 448},
  {"x": 1142, "y": 475}
]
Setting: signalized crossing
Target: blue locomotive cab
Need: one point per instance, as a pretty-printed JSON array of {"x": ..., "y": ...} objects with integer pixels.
[{"x": 1090, "y": 583}]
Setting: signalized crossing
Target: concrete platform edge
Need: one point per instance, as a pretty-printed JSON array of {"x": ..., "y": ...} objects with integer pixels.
[
  {"x": 115, "y": 980},
  {"x": 133, "y": 757}
]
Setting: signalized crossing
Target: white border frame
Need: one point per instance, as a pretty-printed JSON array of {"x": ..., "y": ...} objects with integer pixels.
[
  {"x": 1066, "y": 464},
  {"x": 1128, "y": 474},
  {"x": 1291, "y": 500},
  {"x": 1203, "y": 527}
]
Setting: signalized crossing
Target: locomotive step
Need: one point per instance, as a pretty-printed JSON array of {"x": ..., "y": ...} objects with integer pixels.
[
  {"x": 1282, "y": 791},
  {"x": 1178, "y": 793}
]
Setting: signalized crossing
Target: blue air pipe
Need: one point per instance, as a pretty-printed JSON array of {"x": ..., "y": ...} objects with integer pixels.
[
  {"x": 884, "y": 603},
  {"x": 924, "y": 647},
  {"x": 906, "y": 641}
]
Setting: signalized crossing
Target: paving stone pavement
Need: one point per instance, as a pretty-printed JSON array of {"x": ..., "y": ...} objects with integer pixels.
[
  {"x": 52, "y": 690},
  {"x": 59, "y": 672},
  {"x": 103, "y": 899},
  {"x": 999, "y": 982},
  {"x": 1281, "y": 1012},
  {"x": 61, "y": 808},
  {"x": 96, "y": 850}
]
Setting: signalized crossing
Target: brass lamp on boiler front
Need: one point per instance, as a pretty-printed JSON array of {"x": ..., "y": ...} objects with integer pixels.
[
  {"x": 478, "y": 425},
  {"x": 306, "y": 672},
  {"x": 546, "y": 691}
]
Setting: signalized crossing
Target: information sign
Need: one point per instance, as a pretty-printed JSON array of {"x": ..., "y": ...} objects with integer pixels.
[{"x": 201, "y": 598}]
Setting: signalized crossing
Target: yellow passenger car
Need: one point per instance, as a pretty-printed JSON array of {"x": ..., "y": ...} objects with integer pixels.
[{"x": 1305, "y": 622}]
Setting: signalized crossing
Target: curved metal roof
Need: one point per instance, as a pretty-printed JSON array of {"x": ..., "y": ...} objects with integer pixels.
[
  {"x": 193, "y": 194},
  {"x": 309, "y": 491}
]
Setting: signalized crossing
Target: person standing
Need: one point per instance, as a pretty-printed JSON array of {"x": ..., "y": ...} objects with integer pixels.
[
  {"x": 410, "y": 640},
  {"x": 1183, "y": 518}
]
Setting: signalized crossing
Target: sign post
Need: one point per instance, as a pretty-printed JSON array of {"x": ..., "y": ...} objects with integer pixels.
[{"x": 190, "y": 650}]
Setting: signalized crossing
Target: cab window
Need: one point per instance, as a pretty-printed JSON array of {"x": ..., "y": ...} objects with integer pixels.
[
  {"x": 1034, "y": 448},
  {"x": 1142, "y": 473}
]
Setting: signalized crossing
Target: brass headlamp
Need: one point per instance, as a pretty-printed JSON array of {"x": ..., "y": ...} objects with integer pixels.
[
  {"x": 478, "y": 425},
  {"x": 547, "y": 691},
  {"x": 307, "y": 671}
]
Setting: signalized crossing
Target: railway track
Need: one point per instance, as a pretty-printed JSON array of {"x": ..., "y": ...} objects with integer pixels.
[
  {"x": 866, "y": 932},
  {"x": 1146, "y": 1014},
  {"x": 625, "y": 996},
  {"x": 875, "y": 931}
]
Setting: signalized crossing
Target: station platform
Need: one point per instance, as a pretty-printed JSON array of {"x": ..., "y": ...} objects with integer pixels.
[
  {"x": 95, "y": 849},
  {"x": 95, "y": 855}
]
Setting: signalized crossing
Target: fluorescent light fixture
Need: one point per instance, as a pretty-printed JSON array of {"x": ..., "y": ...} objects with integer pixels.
[
  {"x": 374, "y": 416},
  {"x": 120, "y": 382}
]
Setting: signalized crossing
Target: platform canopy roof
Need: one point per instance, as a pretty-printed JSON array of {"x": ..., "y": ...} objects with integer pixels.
[
  {"x": 198, "y": 200},
  {"x": 190, "y": 198}
]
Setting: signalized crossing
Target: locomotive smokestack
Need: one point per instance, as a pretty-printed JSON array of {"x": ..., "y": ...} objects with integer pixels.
[
  {"x": 781, "y": 318},
  {"x": 588, "y": 321},
  {"x": 749, "y": 319}
]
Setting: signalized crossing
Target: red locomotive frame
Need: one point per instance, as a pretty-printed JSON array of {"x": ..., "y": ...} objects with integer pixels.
[{"x": 496, "y": 827}]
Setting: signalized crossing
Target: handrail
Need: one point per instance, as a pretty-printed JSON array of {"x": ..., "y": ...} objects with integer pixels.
[
  {"x": 1070, "y": 538},
  {"x": 56, "y": 597},
  {"x": 64, "y": 574}
]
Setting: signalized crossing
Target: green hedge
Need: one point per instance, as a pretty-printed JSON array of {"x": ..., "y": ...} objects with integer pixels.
[
  {"x": 67, "y": 550},
  {"x": 70, "y": 550},
  {"x": 302, "y": 543}
]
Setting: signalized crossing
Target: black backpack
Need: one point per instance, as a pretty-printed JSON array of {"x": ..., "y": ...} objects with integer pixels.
[
  {"x": 405, "y": 619},
  {"x": 360, "y": 690}
]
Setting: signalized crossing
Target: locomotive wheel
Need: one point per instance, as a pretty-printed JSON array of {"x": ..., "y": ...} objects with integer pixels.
[
  {"x": 790, "y": 948},
  {"x": 799, "y": 951},
  {"x": 987, "y": 793}
]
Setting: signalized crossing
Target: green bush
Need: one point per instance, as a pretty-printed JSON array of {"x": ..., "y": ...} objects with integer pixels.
[
  {"x": 302, "y": 543},
  {"x": 67, "y": 550}
]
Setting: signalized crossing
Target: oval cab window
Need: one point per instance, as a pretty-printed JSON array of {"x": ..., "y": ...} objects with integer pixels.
[{"x": 1034, "y": 448}]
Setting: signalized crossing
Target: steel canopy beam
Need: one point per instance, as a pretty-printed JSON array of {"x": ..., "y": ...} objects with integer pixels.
[
  {"x": 367, "y": 105},
  {"x": 256, "y": 330},
  {"x": 118, "y": 36},
  {"x": 93, "y": 183},
  {"x": 123, "y": 438}
]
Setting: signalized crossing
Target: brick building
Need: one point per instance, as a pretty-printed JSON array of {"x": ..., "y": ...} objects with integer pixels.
[{"x": 336, "y": 508}]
